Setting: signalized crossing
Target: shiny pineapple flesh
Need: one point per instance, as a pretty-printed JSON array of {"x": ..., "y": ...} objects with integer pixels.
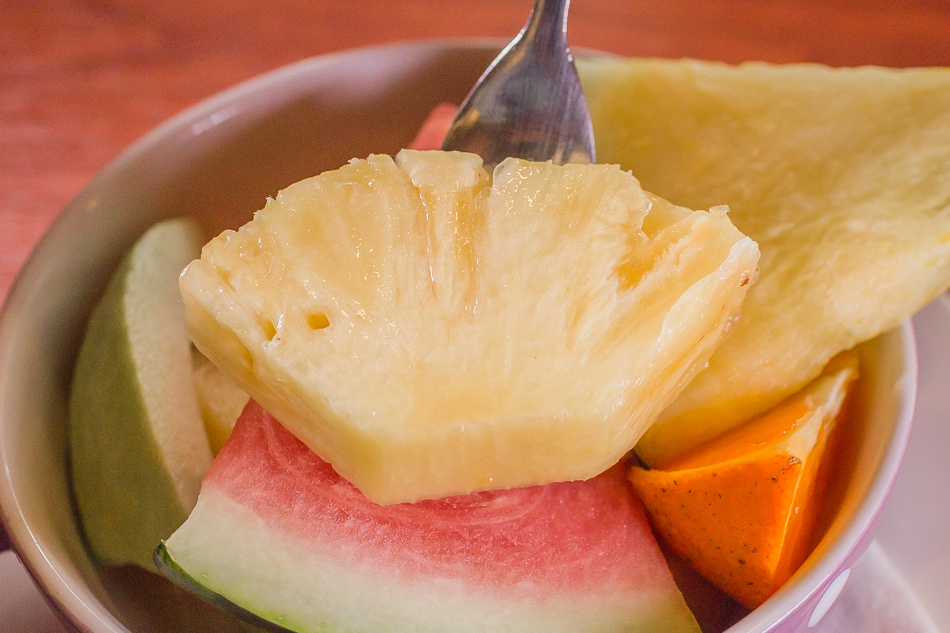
[{"x": 432, "y": 330}]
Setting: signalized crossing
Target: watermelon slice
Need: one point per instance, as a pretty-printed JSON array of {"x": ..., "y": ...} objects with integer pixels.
[{"x": 278, "y": 536}]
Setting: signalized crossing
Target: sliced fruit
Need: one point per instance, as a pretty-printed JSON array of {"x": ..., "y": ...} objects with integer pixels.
[
  {"x": 220, "y": 399},
  {"x": 741, "y": 509},
  {"x": 137, "y": 445},
  {"x": 431, "y": 333},
  {"x": 278, "y": 534},
  {"x": 435, "y": 127},
  {"x": 838, "y": 174}
]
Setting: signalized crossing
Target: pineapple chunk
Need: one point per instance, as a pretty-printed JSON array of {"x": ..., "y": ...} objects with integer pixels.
[
  {"x": 432, "y": 331},
  {"x": 220, "y": 399},
  {"x": 840, "y": 175}
]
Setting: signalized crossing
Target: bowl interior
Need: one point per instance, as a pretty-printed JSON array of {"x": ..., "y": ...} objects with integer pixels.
[{"x": 218, "y": 162}]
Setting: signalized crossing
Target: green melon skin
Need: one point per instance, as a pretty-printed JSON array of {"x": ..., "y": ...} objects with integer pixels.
[{"x": 137, "y": 445}]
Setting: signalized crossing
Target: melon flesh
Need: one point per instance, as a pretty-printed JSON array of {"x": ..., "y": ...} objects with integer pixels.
[
  {"x": 279, "y": 534},
  {"x": 433, "y": 331},
  {"x": 137, "y": 446},
  {"x": 840, "y": 175},
  {"x": 743, "y": 509}
]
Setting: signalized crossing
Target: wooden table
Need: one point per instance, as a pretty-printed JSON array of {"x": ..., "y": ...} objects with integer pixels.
[{"x": 82, "y": 79}]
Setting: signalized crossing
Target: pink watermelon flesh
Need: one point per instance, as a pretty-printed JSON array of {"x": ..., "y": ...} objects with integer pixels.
[
  {"x": 575, "y": 556},
  {"x": 435, "y": 127}
]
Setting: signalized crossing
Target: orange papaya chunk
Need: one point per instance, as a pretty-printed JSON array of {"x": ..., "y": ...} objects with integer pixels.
[{"x": 741, "y": 509}]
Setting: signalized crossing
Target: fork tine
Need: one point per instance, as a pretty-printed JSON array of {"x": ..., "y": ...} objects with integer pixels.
[{"x": 529, "y": 102}]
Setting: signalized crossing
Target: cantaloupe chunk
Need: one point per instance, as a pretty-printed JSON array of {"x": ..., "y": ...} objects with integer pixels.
[{"x": 741, "y": 509}]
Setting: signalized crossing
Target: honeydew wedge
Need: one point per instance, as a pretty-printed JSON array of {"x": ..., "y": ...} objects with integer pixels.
[
  {"x": 137, "y": 444},
  {"x": 431, "y": 330},
  {"x": 742, "y": 509},
  {"x": 840, "y": 175},
  {"x": 279, "y": 538}
]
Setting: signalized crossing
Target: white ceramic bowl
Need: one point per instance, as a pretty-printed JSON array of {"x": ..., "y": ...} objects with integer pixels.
[{"x": 219, "y": 161}]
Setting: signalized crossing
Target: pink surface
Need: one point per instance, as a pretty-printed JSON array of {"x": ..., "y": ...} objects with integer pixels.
[
  {"x": 435, "y": 127},
  {"x": 580, "y": 537}
]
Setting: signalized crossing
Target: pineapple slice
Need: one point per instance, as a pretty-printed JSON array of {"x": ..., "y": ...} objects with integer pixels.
[
  {"x": 840, "y": 175},
  {"x": 431, "y": 331},
  {"x": 220, "y": 399}
]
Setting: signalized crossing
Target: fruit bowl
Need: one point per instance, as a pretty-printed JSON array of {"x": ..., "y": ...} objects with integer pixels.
[{"x": 219, "y": 161}]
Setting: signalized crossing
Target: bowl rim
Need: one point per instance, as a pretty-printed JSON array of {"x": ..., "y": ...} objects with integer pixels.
[
  {"x": 248, "y": 96},
  {"x": 252, "y": 95},
  {"x": 809, "y": 582}
]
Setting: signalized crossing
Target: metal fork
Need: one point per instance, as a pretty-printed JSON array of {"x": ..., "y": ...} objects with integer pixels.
[{"x": 528, "y": 103}]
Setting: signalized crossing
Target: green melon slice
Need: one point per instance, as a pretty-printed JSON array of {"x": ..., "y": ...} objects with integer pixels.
[
  {"x": 137, "y": 444},
  {"x": 279, "y": 537}
]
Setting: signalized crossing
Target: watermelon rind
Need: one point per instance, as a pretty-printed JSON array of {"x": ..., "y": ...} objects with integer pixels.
[
  {"x": 228, "y": 556},
  {"x": 171, "y": 570}
]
